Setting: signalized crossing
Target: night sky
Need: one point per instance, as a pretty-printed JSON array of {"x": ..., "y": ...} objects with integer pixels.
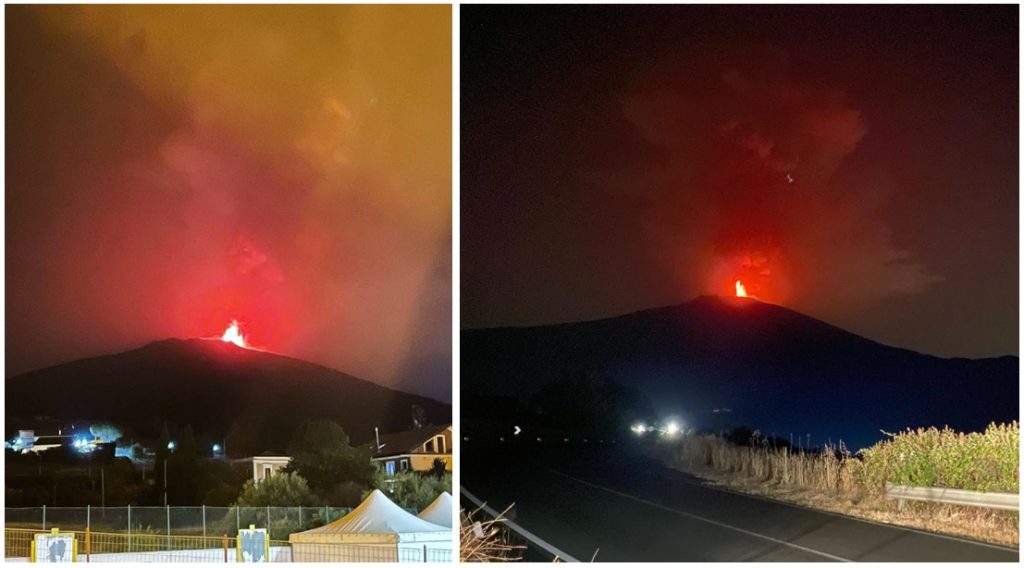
[
  {"x": 857, "y": 164},
  {"x": 170, "y": 169}
]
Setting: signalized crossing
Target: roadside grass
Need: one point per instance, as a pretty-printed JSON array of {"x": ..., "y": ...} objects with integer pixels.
[{"x": 854, "y": 484}]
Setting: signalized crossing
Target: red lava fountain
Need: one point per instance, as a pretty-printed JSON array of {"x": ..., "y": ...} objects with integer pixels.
[
  {"x": 741, "y": 290},
  {"x": 234, "y": 335}
]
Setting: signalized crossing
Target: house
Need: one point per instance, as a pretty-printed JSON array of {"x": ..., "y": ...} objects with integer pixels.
[
  {"x": 413, "y": 450},
  {"x": 266, "y": 466}
]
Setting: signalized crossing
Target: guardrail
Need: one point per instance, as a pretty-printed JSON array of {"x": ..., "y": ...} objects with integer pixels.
[
  {"x": 537, "y": 549},
  {"x": 904, "y": 493}
]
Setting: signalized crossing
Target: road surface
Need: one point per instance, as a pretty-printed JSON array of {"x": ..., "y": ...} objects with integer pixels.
[{"x": 627, "y": 508}]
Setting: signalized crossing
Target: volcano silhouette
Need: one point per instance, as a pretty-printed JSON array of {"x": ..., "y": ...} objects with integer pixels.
[
  {"x": 774, "y": 369},
  {"x": 209, "y": 384}
]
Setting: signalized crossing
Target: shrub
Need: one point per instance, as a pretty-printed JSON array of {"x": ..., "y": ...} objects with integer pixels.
[
  {"x": 929, "y": 457},
  {"x": 279, "y": 490},
  {"x": 411, "y": 490}
]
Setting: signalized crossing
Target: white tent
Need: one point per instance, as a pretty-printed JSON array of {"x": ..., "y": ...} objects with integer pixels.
[
  {"x": 440, "y": 511},
  {"x": 376, "y": 531}
]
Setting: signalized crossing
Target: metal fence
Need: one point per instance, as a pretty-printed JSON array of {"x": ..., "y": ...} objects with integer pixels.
[
  {"x": 122, "y": 547},
  {"x": 184, "y": 521}
]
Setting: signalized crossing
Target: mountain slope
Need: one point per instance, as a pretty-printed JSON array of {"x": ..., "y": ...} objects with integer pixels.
[
  {"x": 209, "y": 384},
  {"x": 775, "y": 369}
]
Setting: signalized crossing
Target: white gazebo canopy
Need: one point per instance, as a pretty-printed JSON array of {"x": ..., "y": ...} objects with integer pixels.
[
  {"x": 440, "y": 511},
  {"x": 376, "y": 520}
]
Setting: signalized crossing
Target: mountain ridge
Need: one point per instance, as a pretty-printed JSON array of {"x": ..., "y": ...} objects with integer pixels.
[
  {"x": 776, "y": 368},
  {"x": 210, "y": 384}
]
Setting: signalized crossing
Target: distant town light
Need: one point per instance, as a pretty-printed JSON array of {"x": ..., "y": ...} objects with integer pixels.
[
  {"x": 216, "y": 448},
  {"x": 171, "y": 445},
  {"x": 82, "y": 445},
  {"x": 671, "y": 428},
  {"x": 639, "y": 428}
]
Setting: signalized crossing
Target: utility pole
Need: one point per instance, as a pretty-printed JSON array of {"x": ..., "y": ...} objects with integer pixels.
[
  {"x": 103, "y": 487},
  {"x": 165, "y": 482}
]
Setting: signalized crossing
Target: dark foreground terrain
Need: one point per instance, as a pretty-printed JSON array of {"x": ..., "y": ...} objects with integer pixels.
[
  {"x": 607, "y": 502},
  {"x": 763, "y": 365},
  {"x": 210, "y": 384}
]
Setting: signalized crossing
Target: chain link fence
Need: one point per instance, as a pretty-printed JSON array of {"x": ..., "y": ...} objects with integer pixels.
[{"x": 181, "y": 521}]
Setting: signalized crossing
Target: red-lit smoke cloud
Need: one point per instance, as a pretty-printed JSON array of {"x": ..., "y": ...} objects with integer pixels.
[
  {"x": 752, "y": 185},
  {"x": 174, "y": 168}
]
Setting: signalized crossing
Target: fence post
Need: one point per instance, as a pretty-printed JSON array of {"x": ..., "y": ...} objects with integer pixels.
[
  {"x": 88, "y": 516},
  {"x": 268, "y": 519},
  {"x": 225, "y": 549},
  {"x": 88, "y": 544},
  {"x": 238, "y": 520},
  {"x": 129, "y": 527},
  {"x": 44, "y": 517},
  {"x": 300, "y": 516},
  {"x": 424, "y": 553},
  {"x": 168, "y": 509},
  {"x": 204, "y": 520}
]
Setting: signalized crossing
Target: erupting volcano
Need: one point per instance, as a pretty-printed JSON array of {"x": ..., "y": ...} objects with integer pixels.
[
  {"x": 234, "y": 335},
  {"x": 741, "y": 290}
]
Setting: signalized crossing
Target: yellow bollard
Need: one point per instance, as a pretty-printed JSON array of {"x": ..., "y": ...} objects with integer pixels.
[{"x": 225, "y": 549}]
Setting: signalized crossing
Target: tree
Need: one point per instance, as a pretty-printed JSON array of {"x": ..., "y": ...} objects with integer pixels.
[
  {"x": 280, "y": 490},
  {"x": 186, "y": 476},
  {"x": 106, "y": 432},
  {"x": 320, "y": 453},
  {"x": 243, "y": 438},
  {"x": 438, "y": 468},
  {"x": 412, "y": 490},
  {"x": 583, "y": 404}
]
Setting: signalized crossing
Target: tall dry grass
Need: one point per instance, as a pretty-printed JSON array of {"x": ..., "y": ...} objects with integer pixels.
[
  {"x": 927, "y": 457},
  {"x": 838, "y": 480},
  {"x": 834, "y": 468},
  {"x": 486, "y": 540}
]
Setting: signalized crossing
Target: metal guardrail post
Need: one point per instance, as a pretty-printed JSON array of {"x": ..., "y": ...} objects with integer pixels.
[
  {"x": 44, "y": 517},
  {"x": 204, "y": 520}
]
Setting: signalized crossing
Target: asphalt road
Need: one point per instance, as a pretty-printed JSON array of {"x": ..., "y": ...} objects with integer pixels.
[{"x": 627, "y": 508}]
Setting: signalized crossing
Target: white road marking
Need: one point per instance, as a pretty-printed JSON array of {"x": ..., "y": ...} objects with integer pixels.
[
  {"x": 536, "y": 540},
  {"x": 704, "y": 519}
]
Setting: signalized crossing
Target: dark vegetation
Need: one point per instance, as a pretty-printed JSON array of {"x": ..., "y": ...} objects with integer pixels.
[{"x": 326, "y": 470}]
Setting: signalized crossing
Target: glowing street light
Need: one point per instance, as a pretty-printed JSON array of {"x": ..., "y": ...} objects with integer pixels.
[
  {"x": 638, "y": 428},
  {"x": 171, "y": 445},
  {"x": 671, "y": 428}
]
